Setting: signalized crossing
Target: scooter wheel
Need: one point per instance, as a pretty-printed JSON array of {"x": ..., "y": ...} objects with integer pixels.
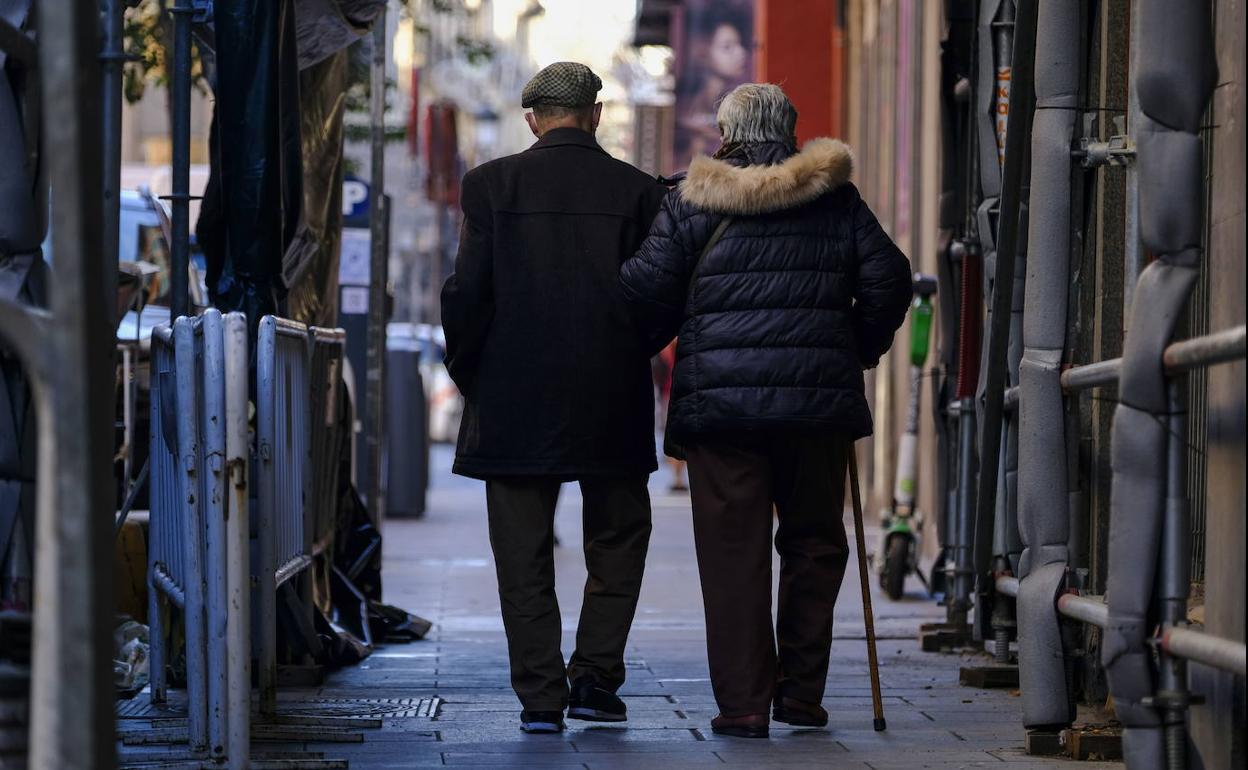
[{"x": 896, "y": 563}]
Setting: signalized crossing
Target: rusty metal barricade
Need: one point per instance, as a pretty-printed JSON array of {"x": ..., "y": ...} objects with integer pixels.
[
  {"x": 297, "y": 371},
  {"x": 283, "y": 455},
  {"x": 328, "y": 352}
]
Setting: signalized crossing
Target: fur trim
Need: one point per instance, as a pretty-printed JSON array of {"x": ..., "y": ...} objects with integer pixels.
[{"x": 821, "y": 166}]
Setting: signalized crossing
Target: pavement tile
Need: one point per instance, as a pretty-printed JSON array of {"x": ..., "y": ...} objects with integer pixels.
[{"x": 441, "y": 567}]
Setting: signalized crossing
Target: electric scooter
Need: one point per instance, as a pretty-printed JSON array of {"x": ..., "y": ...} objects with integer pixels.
[{"x": 903, "y": 525}]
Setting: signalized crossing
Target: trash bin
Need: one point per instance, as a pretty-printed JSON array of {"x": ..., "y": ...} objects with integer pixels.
[{"x": 407, "y": 424}]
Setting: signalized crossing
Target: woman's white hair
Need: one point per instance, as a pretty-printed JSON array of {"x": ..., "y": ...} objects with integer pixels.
[{"x": 757, "y": 112}]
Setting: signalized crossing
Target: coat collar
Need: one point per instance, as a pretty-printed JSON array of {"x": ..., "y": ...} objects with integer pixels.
[
  {"x": 725, "y": 188},
  {"x": 564, "y": 137},
  {"x": 755, "y": 153}
]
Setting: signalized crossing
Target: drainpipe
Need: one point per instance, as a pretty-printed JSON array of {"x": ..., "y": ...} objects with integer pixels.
[
  {"x": 994, "y": 55},
  {"x": 955, "y": 93},
  {"x": 993, "y": 45},
  {"x": 1042, "y": 479},
  {"x": 1172, "y": 697},
  {"x": 1173, "y": 91},
  {"x": 997, "y": 542},
  {"x": 967, "y": 254}
]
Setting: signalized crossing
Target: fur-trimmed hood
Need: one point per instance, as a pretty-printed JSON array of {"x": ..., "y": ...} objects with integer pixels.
[{"x": 718, "y": 186}]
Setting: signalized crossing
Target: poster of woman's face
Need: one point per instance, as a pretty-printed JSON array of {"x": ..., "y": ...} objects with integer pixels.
[{"x": 715, "y": 55}]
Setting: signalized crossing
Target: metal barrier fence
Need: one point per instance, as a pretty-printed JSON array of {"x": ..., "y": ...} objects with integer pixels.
[
  {"x": 283, "y": 415},
  {"x": 201, "y": 557},
  {"x": 328, "y": 351},
  {"x": 175, "y": 557},
  {"x": 197, "y": 557}
]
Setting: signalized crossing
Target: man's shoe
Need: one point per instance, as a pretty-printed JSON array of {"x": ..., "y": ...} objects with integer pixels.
[
  {"x": 538, "y": 722},
  {"x": 749, "y": 726},
  {"x": 799, "y": 713},
  {"x": 592, "y": 703}
]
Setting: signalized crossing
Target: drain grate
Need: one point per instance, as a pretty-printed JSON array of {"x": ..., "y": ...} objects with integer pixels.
[
  {"x": 139, "y": 707},
  {"x": 385, "y": 708},
  {"x": 376, "y": 708}
]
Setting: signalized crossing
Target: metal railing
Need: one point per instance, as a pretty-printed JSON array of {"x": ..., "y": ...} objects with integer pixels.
[
  {"x": 1184, "y": 356},
  {"x": 1180, "y": 641},
  {"x": 1175, "y": 639}
]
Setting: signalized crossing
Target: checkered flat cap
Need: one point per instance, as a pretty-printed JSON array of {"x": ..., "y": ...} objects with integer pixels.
[{"x": 562, "y": 84}]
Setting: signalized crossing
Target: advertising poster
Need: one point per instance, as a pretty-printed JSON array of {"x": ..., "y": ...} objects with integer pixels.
[{"x": 715, "y": 54}]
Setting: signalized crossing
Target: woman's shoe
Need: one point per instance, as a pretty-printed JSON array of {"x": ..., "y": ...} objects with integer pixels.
[
  {"x": 799, "y": 713},
  {"x": 749, "y": 726}
]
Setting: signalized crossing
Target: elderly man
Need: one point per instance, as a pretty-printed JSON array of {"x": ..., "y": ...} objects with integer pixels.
[
  {"x": 782, "y": 287},
  {"x": 557, "y": 388}
]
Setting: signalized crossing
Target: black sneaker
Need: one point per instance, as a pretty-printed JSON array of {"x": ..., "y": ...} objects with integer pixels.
[
  {"x": 592, "y": 703},
  {"x": 538, "y": 722}
]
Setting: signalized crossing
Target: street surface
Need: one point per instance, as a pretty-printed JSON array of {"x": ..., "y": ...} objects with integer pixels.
[
  {"x": 446, "y": 700},
  {"x": 441, "y": 568}
]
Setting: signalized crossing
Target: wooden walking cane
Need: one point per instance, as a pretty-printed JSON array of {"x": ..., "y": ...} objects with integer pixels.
[{"x": 877, "y": 701}]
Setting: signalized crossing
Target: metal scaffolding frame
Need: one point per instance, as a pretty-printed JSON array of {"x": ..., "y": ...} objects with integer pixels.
[
  {"x": 1188, "y": 643},
  {"x": 71, "y": 707},
  {"x": 1032, "y": 409}
]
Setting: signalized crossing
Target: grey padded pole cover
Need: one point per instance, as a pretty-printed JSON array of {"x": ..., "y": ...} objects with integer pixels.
[
  {"x": 1173, "y": 87},
  {"x": 985, "y": 123},
  {"x": 989, "y": 175},
  {"x": 1042, "y": 475},
  {"x": 1040, "y": 654}
]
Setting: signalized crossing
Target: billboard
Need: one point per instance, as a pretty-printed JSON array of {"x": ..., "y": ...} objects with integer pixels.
[{"x": 714, "y": 54}]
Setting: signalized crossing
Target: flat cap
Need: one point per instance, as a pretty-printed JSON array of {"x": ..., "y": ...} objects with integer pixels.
[{"x": 562, "y": 84}]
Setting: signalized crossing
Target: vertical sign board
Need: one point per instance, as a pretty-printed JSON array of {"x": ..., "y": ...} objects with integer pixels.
[{"x": 353, "y": 277}]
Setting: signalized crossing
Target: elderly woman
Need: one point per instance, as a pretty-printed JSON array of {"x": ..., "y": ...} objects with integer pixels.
[{"x": 781, "y": 288}]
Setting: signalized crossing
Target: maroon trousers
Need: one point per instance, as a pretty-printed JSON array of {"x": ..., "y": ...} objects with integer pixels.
[{"x": 734, "y": 485}]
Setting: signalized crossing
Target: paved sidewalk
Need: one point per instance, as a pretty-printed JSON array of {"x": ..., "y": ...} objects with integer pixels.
[{"x": 440, "y": 567}]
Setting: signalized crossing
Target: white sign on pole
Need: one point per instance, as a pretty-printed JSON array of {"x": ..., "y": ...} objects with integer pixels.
[
  {"x": 353, "y": 265},
  {"x": 354, "y": 300}
]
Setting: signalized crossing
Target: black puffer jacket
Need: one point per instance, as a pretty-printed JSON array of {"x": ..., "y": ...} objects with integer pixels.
[{"x": 802, "y": 292}]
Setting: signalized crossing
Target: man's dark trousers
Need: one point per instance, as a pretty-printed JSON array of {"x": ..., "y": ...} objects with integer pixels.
[
  {"x": 734, "y": 485},
  {"x": 616, "y": 521}
]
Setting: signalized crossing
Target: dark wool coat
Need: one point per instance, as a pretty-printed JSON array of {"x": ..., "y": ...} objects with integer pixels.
[
  {"x": 776, "y": 324},
  {"x": 539, "y": 339}
]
